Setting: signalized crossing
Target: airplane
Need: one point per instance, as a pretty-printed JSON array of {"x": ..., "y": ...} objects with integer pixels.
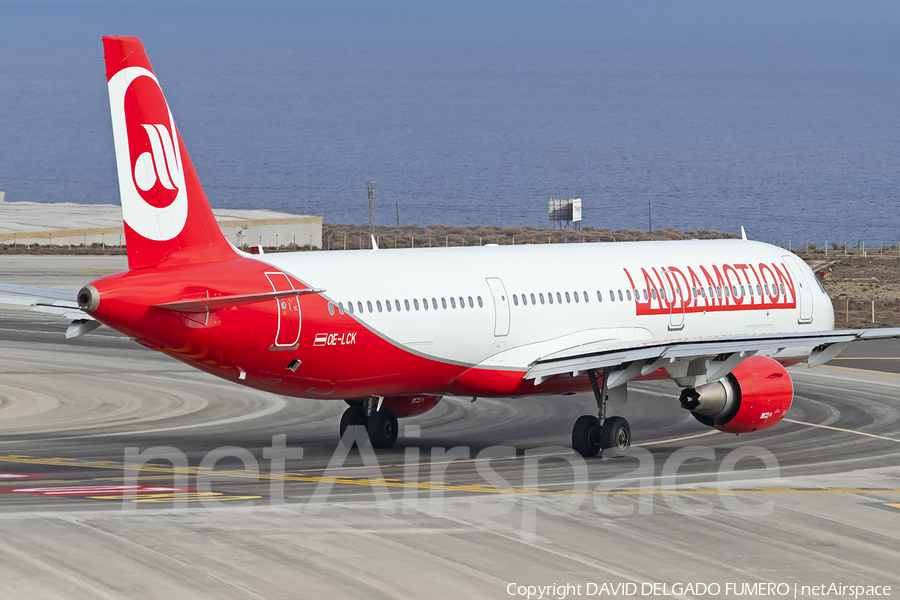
[{"x": 390, "y": 332}]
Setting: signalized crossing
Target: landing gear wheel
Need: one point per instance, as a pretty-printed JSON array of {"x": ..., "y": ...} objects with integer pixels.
[
  {"x": 586, "y": 436},
  {"x": 382, "y": 428},
  {"x": 616, "y": 434},
  {"x": 355, "y": 415}
]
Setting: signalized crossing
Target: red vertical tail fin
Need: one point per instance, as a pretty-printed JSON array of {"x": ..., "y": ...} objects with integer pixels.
[{"x": 165, "y": 210}]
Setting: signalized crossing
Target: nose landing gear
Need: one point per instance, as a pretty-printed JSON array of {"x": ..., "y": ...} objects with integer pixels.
[
  {"x": 592, "y": 435},
  {"x": 380, "y": 425}
]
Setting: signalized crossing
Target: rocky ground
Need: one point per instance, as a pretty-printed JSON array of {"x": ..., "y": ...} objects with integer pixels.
[{"x": 856, "y": 283}]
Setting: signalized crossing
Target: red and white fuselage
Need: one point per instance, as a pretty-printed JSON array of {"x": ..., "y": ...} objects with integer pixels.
[{"x": 405, "y": 326}]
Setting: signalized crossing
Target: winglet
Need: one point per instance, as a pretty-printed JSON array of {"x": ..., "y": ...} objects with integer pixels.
[{"x": 743, "y": 234}]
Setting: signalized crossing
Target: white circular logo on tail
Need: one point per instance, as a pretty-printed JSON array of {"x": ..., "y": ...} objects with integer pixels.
[{"x": 148, "y": 156}]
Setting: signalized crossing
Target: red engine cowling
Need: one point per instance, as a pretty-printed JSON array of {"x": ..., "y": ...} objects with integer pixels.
[
  {"x": 753, "y": 397},
  {"x": 410, "y": 406}
]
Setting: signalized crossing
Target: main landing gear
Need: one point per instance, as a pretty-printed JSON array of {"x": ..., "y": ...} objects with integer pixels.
[
  {"x": 380, "y": 425},
  {"x": 592, "y": 435}
]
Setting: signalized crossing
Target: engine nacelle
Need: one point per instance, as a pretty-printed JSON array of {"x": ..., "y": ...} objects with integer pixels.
[
  {"x": 754, "y": 396},
  {"x": 410, "y": 406}
]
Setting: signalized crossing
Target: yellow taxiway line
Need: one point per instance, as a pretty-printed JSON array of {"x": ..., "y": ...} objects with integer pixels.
[{"x": 429, "y": 485}]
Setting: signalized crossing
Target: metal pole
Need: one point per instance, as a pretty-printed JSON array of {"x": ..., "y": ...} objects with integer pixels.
[{"x": 371, "y": 209}]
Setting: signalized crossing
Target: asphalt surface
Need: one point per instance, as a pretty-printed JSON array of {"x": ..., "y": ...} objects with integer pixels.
[{"x": 815, "y": 500}]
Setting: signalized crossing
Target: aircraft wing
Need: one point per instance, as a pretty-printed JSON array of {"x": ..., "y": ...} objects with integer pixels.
[
  {"x": 51, "y": 301},
  {"x": 643, "y": 358}
]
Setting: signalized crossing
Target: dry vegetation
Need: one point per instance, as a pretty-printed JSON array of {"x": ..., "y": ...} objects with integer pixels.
[
  {"x": 405, "y": 236},
  {"x": 854, "y": 282}
]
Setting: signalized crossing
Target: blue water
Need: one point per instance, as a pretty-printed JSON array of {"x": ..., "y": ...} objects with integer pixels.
[{"x": 781, "y": 117}]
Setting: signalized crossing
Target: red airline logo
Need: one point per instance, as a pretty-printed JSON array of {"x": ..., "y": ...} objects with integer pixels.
[{"x": 713, "y": 288}]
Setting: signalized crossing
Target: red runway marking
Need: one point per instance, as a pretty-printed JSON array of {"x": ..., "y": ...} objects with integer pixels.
[{"x": 93, "y": 490}]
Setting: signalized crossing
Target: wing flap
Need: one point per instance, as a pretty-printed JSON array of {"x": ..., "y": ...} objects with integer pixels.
[{"x": 580, "y": 358}]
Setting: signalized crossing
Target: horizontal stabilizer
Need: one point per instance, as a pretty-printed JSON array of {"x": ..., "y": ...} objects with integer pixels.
[
  {"x": 39, "y": 292},
  {"x": 80, "y": 327},
  {"x": 215, "y": 302}
]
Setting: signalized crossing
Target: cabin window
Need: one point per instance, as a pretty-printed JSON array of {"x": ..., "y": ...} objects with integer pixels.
[
  {"x": 425, "y": 303},
  {"x": 703, "y": 292},
  {"x": 576, "y": 297},
  {"x": 744, "y": 291},
  {"x": 406, "y": 304},
  {"x": 452, "y": 302},
  {"x": 621, "y": 297},
  {"x": 471, "y": 304},
  {"x": 341, "y": 307},
  {"x": 653, "y": 293},
  {"x": 612, "y": 296},
  {"x": 444, "y": 303},
  {"x": 480, "y": 303},
  {"x": 378, "y": 304},
  {"x": 350, "y": 306},
  {"x": 416, "y": 303},
  {"x": 558, "y": 298},
  {"x": 434, "y": 303},
  {"x": 532, "y": 299},
  {"x": 646, "y": 297},
  {"x": 359, "y": 305},
  {"x": 330, "y": 309},
  {"x": 568, "y": 298},
  {"x": 718, "y": 291},
  {"x": 369, "y": 304},
  {"x": 758, "y": 290},
  {"x": 768, "y": 293},
  {"x": 541, "y": 296},
  {"x": 550, "y": 297},
  {"x": 599, "y": 296},
  {"x": 462, "y": 302},
  {"x": 524, "y": 300},
  {"x": 387, "y": 304},
  {"x": 397, "y": 305},
  {"x": 628, "y": 295},
  {"x": 662, "y": 293},
  {"x": 782, "y": 289}
]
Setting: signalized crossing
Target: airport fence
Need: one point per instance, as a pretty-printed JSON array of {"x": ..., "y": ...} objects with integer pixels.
[{"x": 863, "y": 313}]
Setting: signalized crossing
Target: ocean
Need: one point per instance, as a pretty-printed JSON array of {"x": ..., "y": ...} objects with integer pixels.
[{"x": 782, "y": 117}]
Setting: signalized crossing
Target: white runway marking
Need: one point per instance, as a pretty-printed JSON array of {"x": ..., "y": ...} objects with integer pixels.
[{"x": 880, "y": 437}]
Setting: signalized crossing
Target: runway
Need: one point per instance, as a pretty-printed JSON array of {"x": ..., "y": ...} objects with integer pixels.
[{"x": 816, "y": 499}]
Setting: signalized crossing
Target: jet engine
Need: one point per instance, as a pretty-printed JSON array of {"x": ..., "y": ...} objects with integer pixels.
[
  {"x": 754, "y": 396},
  {"x": 410, "y": 406}
]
